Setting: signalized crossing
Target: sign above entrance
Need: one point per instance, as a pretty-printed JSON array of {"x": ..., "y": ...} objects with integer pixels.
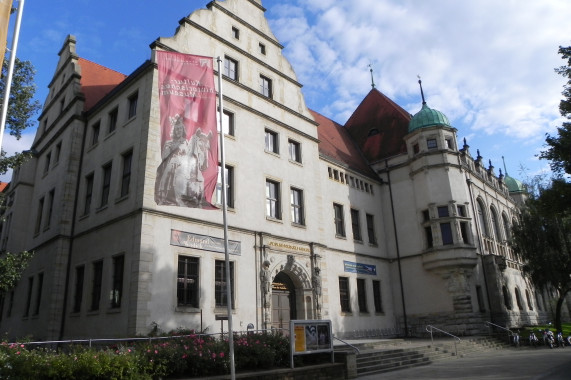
[
  {"x": 359, "y": 268},
  {"x": 288, "y": 246},
  {"x": 206, "y": 243}
]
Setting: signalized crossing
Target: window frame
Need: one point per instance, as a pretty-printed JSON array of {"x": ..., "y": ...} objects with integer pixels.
[
  {"x": 188, "y": 282},
  {"x": 95, "y": 131},
  {"x": 294, "y": 150},
  {"x": 96, "y": 285},
  {"x": 297, "y": 206},
  {"x": 431, "y": 144},
  {"x": 127, "y": 158},
  {"x": 112, "y": 118},
  {"x": 231, "y": 68},
  {"x": 220, "y": 295},
  {"x": 106, "y": 184},
  {"x": 362, "y": 295},
  {"x": 370, "y": 219},
  {"x": 339, "y": 220},
  {"x": 133, "y": 99},
  {"x": 266, "y": 86},
  {"x": 273, "y": 199},
  {"x": 356, "y": 224},
  {"x": 271, "y": 141},
  {"x": 378, "y": 296},
  {"x": 344, "y": 294},
  {"x": 229, "y": 179}
]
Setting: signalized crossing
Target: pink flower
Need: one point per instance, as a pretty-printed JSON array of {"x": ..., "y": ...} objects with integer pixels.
[
  {"x": 18, "y": 353},
  {"x": 214, "y": 355},
  {"x": 222, "y": 354}
]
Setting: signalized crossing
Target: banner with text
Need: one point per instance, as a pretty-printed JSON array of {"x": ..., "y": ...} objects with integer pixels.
[{"x": 188, "y": 171}]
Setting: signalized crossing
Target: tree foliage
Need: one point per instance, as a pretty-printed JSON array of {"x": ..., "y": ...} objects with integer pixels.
[
  {"x": 21, "y": 107},
  {"x": 11, "y": 267},
  {"x": 559, "y": 147}
]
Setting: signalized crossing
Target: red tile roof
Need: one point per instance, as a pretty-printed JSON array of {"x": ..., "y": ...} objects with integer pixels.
[
  {"x": 97, "y": 81},
  {"x": 3, "y": 186},
  {"x": 378, "y": 127},
  {"x": 335, "y": 143}
]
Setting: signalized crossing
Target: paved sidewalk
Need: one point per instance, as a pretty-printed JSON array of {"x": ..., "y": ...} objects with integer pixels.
[{"x": 523, "y": 363}]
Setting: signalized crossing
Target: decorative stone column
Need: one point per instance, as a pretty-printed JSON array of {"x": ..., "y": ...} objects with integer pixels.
[{"x": 266, "y": 285}]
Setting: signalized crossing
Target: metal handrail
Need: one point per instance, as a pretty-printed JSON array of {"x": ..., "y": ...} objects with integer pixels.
[
  {"x": 348, "y": 344},
  {"x": 445, "y": 332},
  {"x": 510, "y": 332}
]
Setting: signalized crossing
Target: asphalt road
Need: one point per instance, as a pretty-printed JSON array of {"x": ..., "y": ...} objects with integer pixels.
[{"x": 508, "y": 364}]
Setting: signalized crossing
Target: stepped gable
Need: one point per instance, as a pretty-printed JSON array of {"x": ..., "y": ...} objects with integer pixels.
[
  {"x": 336, "y": 143},
  {"x": 378, "y": 126},
  {"x": 97, "y": 81}
]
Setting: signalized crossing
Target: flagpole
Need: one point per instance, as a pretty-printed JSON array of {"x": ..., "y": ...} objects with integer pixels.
[
  {"x": 224, "y": 212},
  {"x": 8, "y": 83}
]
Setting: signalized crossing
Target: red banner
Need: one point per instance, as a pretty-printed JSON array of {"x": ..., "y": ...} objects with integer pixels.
[{"x": 189, "y": 151}]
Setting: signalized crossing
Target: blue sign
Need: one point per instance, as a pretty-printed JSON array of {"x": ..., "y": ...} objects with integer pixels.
[{"x": 360, "y": 268}]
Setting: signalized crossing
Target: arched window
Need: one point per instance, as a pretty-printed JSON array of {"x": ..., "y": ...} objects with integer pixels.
[
  {"x": 495, "y": 225},
  {"x": 507, "y": 300},
  {"x": 528, "y": 297},
  {"x": 507, "y": 228},
  {"x": 518, "y": 299},
  {"x": 482, "y": 218}
]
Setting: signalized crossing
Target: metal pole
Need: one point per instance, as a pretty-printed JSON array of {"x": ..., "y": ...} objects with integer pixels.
[
  {"x": 224, "y": 212},
  {"x": 8, "y": 84}
]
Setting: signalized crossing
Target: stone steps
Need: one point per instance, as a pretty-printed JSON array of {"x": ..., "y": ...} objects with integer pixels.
[{"x": 390, "y": 355}]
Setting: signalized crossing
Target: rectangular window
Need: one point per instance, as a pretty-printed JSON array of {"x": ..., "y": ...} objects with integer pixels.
[
  {"x": 29, "y": 298},
  {"x": 446, "y": 230},
  {"x": 461, "y": 210},
  {"x": 47, "y": 162},
  {"x": 231, "y": 68},
  {"x": 227, "y": 122},
  {"x": 235, "y": 33},
  {"x": 442, "y": 211},
  {"x": 362, "y": 295},
  {"x": 339, "y": 220},
  {"x": 95, "y": 133},
  {"x": 96, "y": 282},
  {"x": 112, "y": 120},
  {"x": 229, "y": 181},
  {"x": 266, "y": 86},
  {"x": 117, "y": 285},
  {"x": 78, "y": 296},
  {"x": 431, "y": 144},
  {"x": 187, "y": 281},
  {"x": 39, "y": 293},
  {"x": 273, "y": 206},
  {"x": 449, "y": 143},
  {"x": 429, "y": 240},
  {"x": 272, "y": 142},
  {"x": 464, "y": 232},
  {"x": 57, "y": 153},
  {"x": 296, "y": 197},
  {"x": 262, "y": 48},
  {"x": 126, "y": 176},
  {"x": 371, "y": 229},
  {"x": 39, "y": 217},
  {"x": 88, "y": 193},
  {"x": 377, "y": 296},
  {"x": 133, "y": 99},
  {"x": 220, "y": 292},
  {"x": 344, "y": 294},
  {"x": 355, "y": 225},
  {"x": 106, "y": 185},
  {"x": 294, "y": 149},
  {"x": 50, "y": 209}
]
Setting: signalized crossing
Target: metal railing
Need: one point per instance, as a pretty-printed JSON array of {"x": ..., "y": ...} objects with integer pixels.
[
  {"x": 347, "y": 344},
  {"x": 510, "y": 332},
  {"x": 430, "y": 328}
]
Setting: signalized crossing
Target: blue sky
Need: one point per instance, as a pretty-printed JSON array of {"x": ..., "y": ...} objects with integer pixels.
[{"x": 487, "y": 64}]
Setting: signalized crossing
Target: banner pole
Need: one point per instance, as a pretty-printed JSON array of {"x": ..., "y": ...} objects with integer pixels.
[
  {"x": 8, "y": 84},
  {"x": 225, "y": 222}
]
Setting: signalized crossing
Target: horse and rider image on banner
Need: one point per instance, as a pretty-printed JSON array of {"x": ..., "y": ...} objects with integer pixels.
[{"x": 188, "y": 170}]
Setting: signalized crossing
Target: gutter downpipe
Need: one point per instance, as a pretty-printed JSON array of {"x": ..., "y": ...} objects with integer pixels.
[
  {"x": 469, "y": 182},
  {"x": 397, "y": 249}
]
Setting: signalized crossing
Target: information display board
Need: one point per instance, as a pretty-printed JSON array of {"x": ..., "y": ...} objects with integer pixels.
[{"x": 310, "y": 337}]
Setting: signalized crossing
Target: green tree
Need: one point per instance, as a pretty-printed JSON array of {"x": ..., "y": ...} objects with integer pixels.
[
  {"x": 542, "y": 238},
  {"x": 559, "y": 147},
  {"x": 21, "y": 107}
]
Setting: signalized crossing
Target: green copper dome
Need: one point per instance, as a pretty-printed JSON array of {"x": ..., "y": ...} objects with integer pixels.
[
  {"x": 514, "y": 186},
  {"x": 427, "y": 117}
]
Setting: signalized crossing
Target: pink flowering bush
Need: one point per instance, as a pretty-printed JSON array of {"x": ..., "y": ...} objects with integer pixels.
[{"x": 178, "y": 356}]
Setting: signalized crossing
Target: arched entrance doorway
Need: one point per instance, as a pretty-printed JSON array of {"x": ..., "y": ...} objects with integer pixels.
[{"x": 283, "y": 301}]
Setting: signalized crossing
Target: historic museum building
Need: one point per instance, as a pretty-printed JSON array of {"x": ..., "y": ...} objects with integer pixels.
[{"x": 383, "y": 225}]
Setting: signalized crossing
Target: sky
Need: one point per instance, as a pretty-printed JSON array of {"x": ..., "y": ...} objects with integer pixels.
[{"x": 488, "y": 65}]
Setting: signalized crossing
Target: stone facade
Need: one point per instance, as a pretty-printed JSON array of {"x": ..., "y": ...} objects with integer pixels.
[{"x": 392, "y": 237}]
